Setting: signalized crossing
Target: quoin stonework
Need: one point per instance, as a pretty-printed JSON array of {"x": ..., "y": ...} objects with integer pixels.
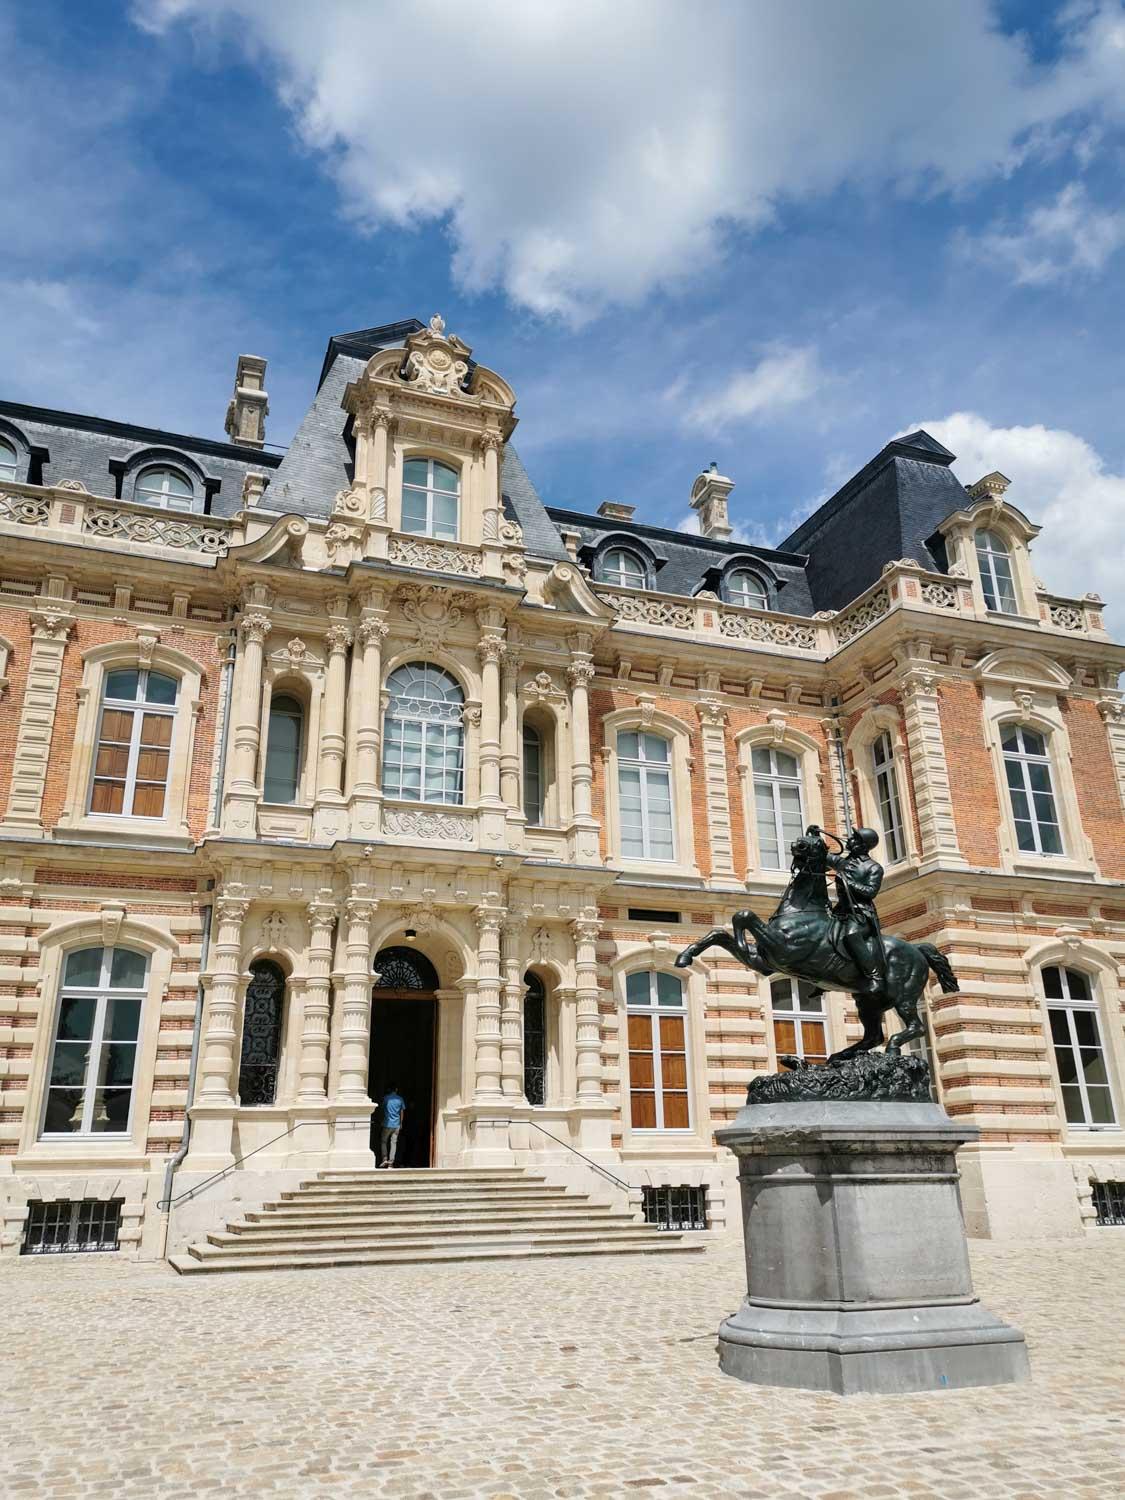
[{"x": 358, "y": 765}]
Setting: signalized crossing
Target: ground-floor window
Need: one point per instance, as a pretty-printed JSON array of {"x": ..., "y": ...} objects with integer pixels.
[
  {"x": 675, "y": 1207},
  {"x": 72, "y": 1225},
  {"x": 93, "y": 1059},
  {"x": 261, "y": 1033},
  {"x": 1109, "y": 1202},
  {"x": 534, "y": 1040},
  {"x": 658, "y": 1059},
  {"x": 1079, "y": 1055},
  {"x": 799, "y": 1027}
]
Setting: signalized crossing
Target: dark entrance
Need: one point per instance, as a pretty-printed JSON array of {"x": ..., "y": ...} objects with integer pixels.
[{"x": 404, "y": 1049}]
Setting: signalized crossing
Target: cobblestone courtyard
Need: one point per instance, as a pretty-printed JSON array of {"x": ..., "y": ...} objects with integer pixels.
[{"x": 553, "y": 1378}]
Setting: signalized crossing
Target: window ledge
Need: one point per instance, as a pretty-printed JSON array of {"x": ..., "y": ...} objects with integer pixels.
[{"x": 149, "y": 831}]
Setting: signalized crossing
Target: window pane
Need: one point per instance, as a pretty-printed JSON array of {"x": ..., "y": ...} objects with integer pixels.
[
  {"x": 637, "y": 989},
  {"x": 76, "y": 1018},
  {"x": 1050, "y": 838},
  {"x": 445, "y": 479},
  {"x": 786, "y": 764},
  {"x": 1067, "y": 1064},
  {"x": 1093, "y": 1067},
  {"x": 810, "y": 999},
  {"x": 671, "y": 1032},
  {"x": 1052, "y": 986},
  {"x": 108, "y": 797},
  {"x": 283, "y": 754},
  {"x": 669, "y": 990},
  {"x": 64, "y": 1111},
  {"x": 414, "y": 471},
  {"x": 111, "y": 1111},
  {"x": 116, "y": 1063},
  {"x": 1101, "y": 1106},
  {"x": 628, "y": 746},
  {"x": 673, "y": 1071},
  {"x": 68, "y": 1065},
  {"x": 655, "y": 748},
  {"x": 128, "y": 969},
  {"x": 785, "y": 1036},
  {"x": 760, "y": 760},
  {"x": 156, "y": 729},
  {"x": 112, "y": 761},
  {"x": 1072, "y": 1105},
  {"x": 148, "y": 800},
  {"x": 1077, "y": 983},
  {"x": 84, "y": 968},
  {"x": 1085, "y": 1028},
  {"x": 152, "y": 765},
  {"x": 122, "y": 1020},
  {"x": 122, "y": 684},
  {"x": 642, "y": 1074},
  {"x": 676, "y": 1112},
  {"x": 643, "y": 1110},
  {"x": 161, "y": 688}
]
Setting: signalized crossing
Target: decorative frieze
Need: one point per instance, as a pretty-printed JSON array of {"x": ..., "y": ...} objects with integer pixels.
[
  {"x": 852, "y": 622},
  {"x": 119, "y": 523},
  {"x": 754, "y": 627},
  {"x": 429, "y": 824},
  {"x": 436, "y": 557},
  {"x": 650, "y": 611}
]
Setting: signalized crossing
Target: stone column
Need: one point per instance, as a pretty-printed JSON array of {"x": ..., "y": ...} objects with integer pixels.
[
  {"x": 584, "y": 827},
  {"x": 213, "y": 1112},
  {"x": 351, "y": 1146},
  {"x": 30, "y": 754},
  {"x": 379, "y": 463},
  {"x": 486, "y": 1084},
  {"x": 311, "y": 1138},
  {"x": 328, "y": 822},
  {"x": 241, "y": 800},
  {"x": 588, "y": 1038},
  {"x": 368, "y": 670},
  {"x": 490, "y": 650},
  {"x": 933, "y": 797},
  {"x": 510, "y": 789},
  {"x": 491, "y": 444},
  {"x": 712, "y": 720},
  {"x": 511, "y": 1013}
]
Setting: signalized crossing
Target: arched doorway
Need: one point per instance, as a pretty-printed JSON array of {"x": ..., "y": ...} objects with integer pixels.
[{"x": 404, "y": 1048}]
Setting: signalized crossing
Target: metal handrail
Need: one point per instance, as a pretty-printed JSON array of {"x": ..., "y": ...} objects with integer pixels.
[
  {"x": 170, "y": 1203},
  {"x": 573, "y": 1150}
]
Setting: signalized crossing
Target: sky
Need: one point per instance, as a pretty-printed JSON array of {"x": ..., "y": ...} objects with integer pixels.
[{"x": 769, "y": 236}]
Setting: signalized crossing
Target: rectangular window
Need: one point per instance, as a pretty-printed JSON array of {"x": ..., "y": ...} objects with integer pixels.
[
  {"x": 778, "y": 810},
  {"x": 1109, "y": 1202},
  {"x": 799, "y": 1028},
  {"x": 1027, "y": 769},
  {"x": 1079, "y": 1056},
  {"x": 886, "y": 790},
  {"x": 134, "y": 744},
  {"x": 675, "y": 1208},
  {"x": 644, "y": 784},
  {"x": 532, "y": 776},
  {"x": 93, "y": 1060},
  {"x": 658, "y": 1062},
  {"x": 72, "y": 1225}
]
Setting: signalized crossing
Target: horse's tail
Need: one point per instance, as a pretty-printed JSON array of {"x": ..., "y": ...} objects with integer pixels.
[{"x": 941, "y": 967}]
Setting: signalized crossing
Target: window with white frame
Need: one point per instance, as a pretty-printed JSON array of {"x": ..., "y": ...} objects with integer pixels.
[
  {"x": 169, "y": 488},
  {"x": 284, "y": 735},
  {"x": 779, "y": 813},
  {"x": 423, "y": 740},
  {"x": 644, "y": 787},
  {"x": 994, "y": 563},
  {"x": 138, "y": 711},
  {"x": 884, "y": 775},
  {"x": 656, "y": 1016},
  {"x": 430, "y": 495},
  {"x": 1080, "y": 1059},
  {"x": 9, "y": 460},
  {"x": 799, "y": 1025},
  {"x": 623, "y": 568},
  {"x": 1027, "y": 770},
  {"x": 746, "y": 588},
  {"x": 532, "y": 775},
  {"x": 94, "y": 1052}
]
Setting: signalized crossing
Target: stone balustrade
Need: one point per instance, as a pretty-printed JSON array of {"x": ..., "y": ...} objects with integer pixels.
[{"x": 121, "y": 524}]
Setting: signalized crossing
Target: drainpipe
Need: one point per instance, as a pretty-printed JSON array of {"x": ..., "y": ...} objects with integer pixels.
[
  {"x": 226, "y": 691},
  {"x": 841, "y": 765},
  {"x": 197, "y": 1028}
]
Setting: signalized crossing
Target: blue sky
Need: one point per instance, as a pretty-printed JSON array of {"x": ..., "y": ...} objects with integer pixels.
[{"x": 772, "y": 236}]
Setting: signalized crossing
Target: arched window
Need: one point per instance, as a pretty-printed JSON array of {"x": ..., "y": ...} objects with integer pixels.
[
  {"x": 778, "y": 803},
  {"x": 798, "y": 1019},
  {"x": 430, "y": 492},
  {"x": 644, "y": 782},
  {"x": 424, "y": 752},
  {"x": 283, "y": 750},
  {"x": 534, "y": 1040},
  {"x": 1079, "y": 1054},
  {"x": 623, "y": 568},
  {"x": 403, "y": 968},
  {"x": 995, "y": 564},
  {"x": 746, "y": 588},
  {"x": 533, "y": 778},
  {"x": 169, "y": 488},
  {"x": 134, "y": 736},
  {"x": 93, "y": 1060},
  {"x": 656, "y": 1013},
  {"x": 1027, "y": 768},
  {"x": 9, "y": 460},
  {"x": 884, "y": 775},
  {"x": 261, "y": 1033}
]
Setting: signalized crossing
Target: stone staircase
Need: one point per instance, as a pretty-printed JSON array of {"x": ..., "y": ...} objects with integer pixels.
[{"x": 405, "y": 1217}]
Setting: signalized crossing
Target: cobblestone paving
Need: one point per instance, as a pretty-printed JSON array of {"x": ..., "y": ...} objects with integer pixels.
[{"x": 563, "y": 1378}]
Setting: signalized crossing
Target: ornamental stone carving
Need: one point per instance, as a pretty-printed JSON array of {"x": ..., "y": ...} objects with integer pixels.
[
  {"x": 296, "y": 651},
  {"x": 437, "y": 363},
  {"x": 1067, "y": 617},
  {"x": 370, "y": 631},
  {"x": 422, "y": 916},
  {"x": 749, "y": 627},
  {"x": 156, "y": 530},
  {"x": 338, "y": 638},
  {"x": 409, "y": 822},
  {"x": 275, "y": 930},
  {"x": 580, "y": 673},
  {"x": 24, "y": 510},
  {"x": 542, "y": 688},
  {"x": 651, "y": 611},
  {"x": 47, "y": 625},
  {"x": 849, "y": 625},
  {"x": 490, "y": 648},
  {"x": 432, "y": 612},
  {"x": 489, "y": 920},
  {"x": 255, "y": 627},
  {"x": 435, "y": 557}
]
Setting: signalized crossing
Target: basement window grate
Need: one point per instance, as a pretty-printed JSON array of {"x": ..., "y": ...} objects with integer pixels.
[
  {"x": 654, "y": 914},
  {"x": 72, "y": 1225},
  {"x": 675, "y": 1207},
  {"x": 1109, "y": 1202}
]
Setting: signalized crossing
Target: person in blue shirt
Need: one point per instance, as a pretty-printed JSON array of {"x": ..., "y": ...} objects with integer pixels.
[{"x": 393, "y": 1110}]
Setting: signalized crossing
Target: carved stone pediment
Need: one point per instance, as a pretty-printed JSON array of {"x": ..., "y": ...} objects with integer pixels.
[{"x": 437, "y": 363}]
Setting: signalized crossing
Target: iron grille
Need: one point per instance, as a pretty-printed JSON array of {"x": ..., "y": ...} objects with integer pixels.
[
  {"x": 535, "y": 1042},
  {"x": 675, "y": 1207},
  {"x": 261, "y": 1033},
  {"x": 1109, "y": 1202},
  {"x": 70, "y": 1225}
]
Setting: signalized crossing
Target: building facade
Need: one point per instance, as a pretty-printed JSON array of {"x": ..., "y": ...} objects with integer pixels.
[{"x": 359, "y": 765}]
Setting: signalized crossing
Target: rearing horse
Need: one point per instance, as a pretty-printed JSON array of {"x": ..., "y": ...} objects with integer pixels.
[{"x": 798, "y": 940}]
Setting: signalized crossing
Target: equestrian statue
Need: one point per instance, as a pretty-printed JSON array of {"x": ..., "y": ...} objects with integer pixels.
[{"x": 836, "y": 948}]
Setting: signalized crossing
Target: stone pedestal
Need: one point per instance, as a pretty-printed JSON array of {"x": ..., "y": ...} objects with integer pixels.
[{"x": 857, "y": 1267}]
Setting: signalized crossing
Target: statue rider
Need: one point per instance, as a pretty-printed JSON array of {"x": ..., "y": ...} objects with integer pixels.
[{"x": 858, "y": 878}]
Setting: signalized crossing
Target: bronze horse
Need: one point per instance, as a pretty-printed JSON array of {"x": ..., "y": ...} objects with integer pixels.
[{"x": 799, "y": 940}]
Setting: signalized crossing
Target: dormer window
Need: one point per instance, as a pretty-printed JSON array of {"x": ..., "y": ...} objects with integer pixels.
[
  {"x": 623, "y": 568},
  {"x": 169, "y": 488},
  {"x": 430, "y": 494},
  {"x": 994, "y": 562},
  {"x": 8, "y": 460},
  {"x": 747, "y": 589}
]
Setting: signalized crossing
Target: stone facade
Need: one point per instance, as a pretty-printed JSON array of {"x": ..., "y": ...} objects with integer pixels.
[{"x": 510, "y": 877}]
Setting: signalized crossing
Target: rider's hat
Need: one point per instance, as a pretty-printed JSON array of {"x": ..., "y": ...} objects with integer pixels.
[{"x": 865, "y": 836}]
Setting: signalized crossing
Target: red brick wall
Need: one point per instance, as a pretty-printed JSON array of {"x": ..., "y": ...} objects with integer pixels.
[
  {"x": 1099, "y": 800},
  {"x": 972, "y": 779}
]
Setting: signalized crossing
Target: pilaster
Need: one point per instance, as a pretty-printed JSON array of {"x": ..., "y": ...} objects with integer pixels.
[
  {"x": 50, "y": 629},
  {"x": 328, "y": 817},
  {"x": 213, "y": 1114},
  {"x": 584, "y": 826},
  {"x": 240, "y": 805},
  {"x": 933, "y": 796},
  {"x": 351, "y": 1145},
  {"x": 712, "y": 719}
]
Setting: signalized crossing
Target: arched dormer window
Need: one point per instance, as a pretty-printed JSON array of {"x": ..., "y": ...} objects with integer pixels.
[
  {"x": 1031, "y": 792},
  {"x": 430, "y": 495},
  {"x": 9, "y": 460},
  {"x": 623, "y": 568},
  {"x": 138, "y": 711},
  {"x": 747, "y": 588},
  {"x": 424, "y": 748},
  {"x": 994, "y": 562},
  {"x": 162, "y": 485},
  {"x": 1076, "y": 1039},
  {"x": 284, "y": 737}
]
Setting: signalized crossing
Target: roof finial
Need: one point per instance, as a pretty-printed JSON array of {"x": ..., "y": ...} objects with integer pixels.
[{"x": 437, "y": 325}]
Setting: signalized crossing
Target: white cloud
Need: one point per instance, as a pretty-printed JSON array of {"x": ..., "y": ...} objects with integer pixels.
[
  {"x": 782, "y": 378},
  {"x": 1066, "y": 237},
  {"x": 1063, "y": 484},
  {"x": 586, "y": 151}
]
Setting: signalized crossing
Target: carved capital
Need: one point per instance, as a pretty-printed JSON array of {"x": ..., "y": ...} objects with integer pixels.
[
  {"x": 47, "y": 625},
  {"x": 491, "y": 442},
  {"x": 373, "y": 632},
  {"x": 232, "y": 910},
  {"x": 322, "y": 914},
  {"x": 490, "y": 648},
  {"x": 580, "y": 673},
  {"x": 489, "y": 920},
  {"x": 338, "y": 638},
  {"x": 919, "y": 683},
  {"x": 1112, "y": 710},
  {"x": 586, "y": 928},
  {"x": 359, "y": 909},
  {"x": 255, "y": 627},
  {"x": 711, "y": 713}
]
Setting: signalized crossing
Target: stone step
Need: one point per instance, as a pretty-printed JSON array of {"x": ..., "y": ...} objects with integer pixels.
[
  {"x": 428, "y": 1174},
  {"x": 435, "y": 1201},
  {"x": 301, "y": 1235},
  {"x": 291, "y": 1213},
  {"x": 660, "y": 1243},
  {"x": 396, "y": 1182}
]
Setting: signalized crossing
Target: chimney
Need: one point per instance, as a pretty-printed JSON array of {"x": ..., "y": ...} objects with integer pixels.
[
  {"x": 609, "y": 510},
  {"x": 249, "y": 406},
  {"x": 709, "y": 497},
  {"x": 991, "y": 487}
]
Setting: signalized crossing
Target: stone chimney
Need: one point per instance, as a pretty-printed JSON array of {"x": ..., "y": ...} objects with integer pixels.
[
  {"x": 610, "y": 510},
  {"x": 249, "y": 406},
  {"x": 709, "y": 497},
  {"x": 991, "y": 487}
]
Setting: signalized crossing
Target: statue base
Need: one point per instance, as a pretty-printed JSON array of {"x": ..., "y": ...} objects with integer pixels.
[{"x": 857, "y": 1266}]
